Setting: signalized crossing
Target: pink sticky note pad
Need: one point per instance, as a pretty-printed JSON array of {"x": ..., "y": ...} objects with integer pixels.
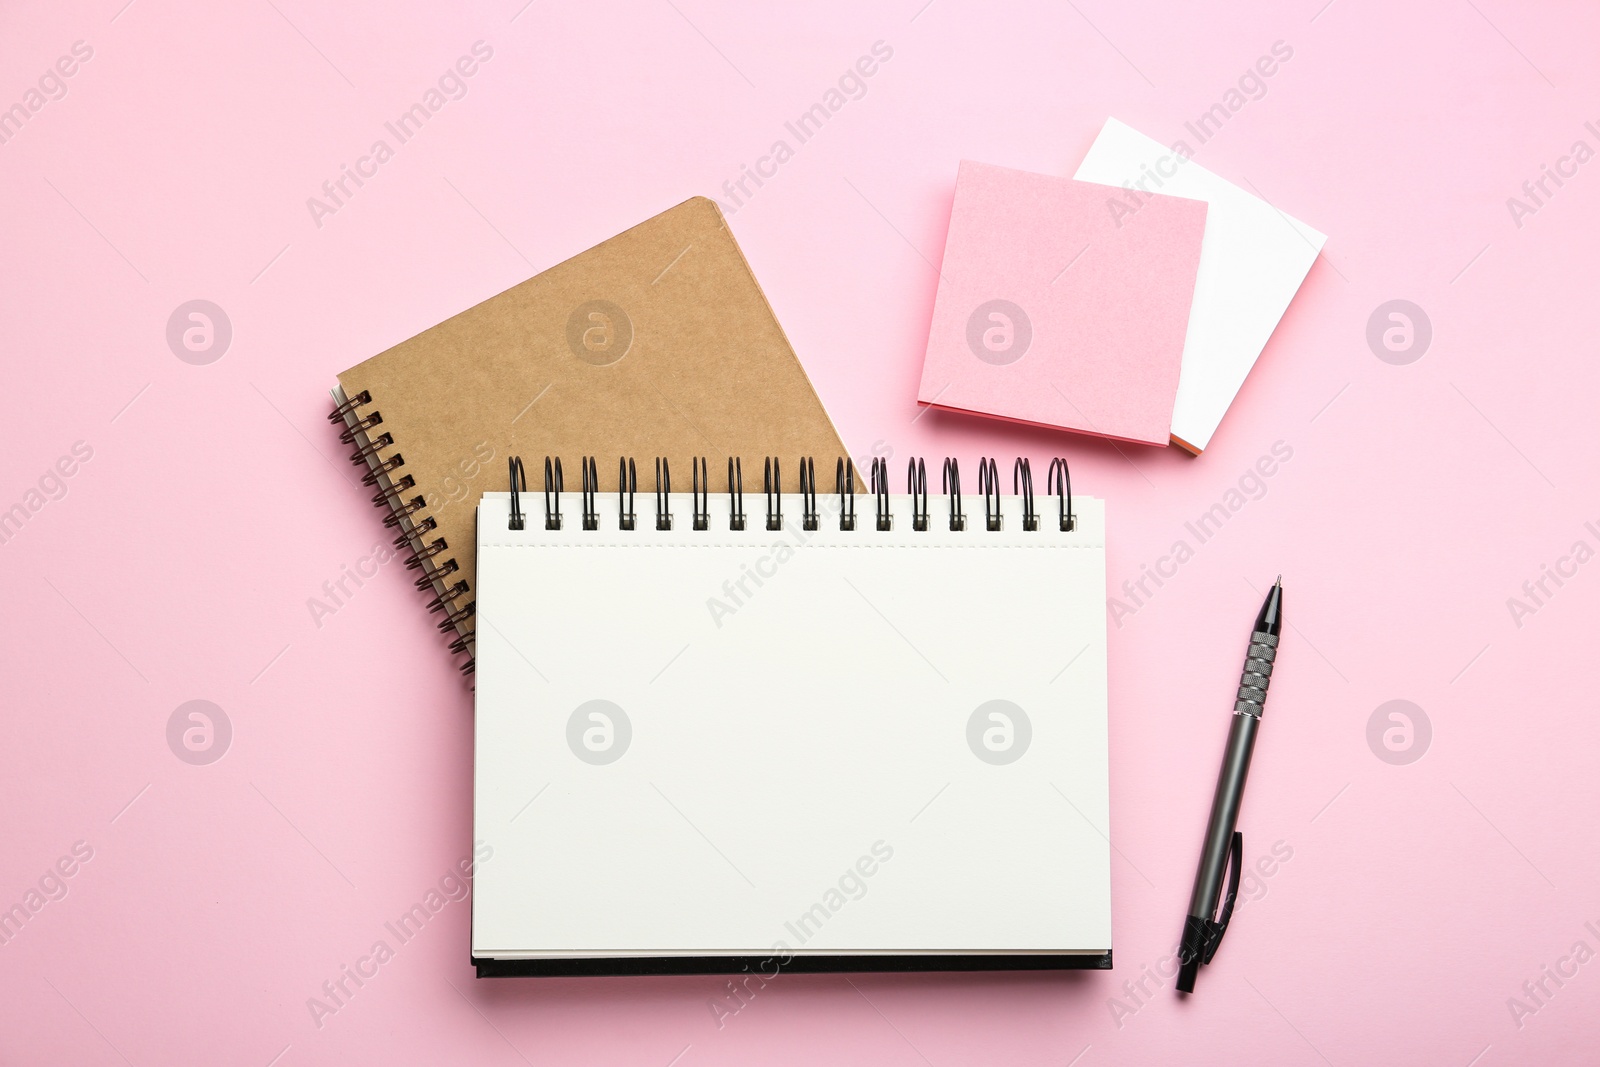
[{"x": 1060, "y": 303}]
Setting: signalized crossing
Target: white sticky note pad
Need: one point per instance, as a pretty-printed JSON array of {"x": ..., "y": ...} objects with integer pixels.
[{"x": 1252, "y": 262}]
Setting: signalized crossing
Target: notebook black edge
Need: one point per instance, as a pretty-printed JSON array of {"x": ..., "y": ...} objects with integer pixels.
[{"x": 489, "y": 967}]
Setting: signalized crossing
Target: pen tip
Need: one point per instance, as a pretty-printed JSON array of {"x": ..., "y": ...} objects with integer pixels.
[{"x": 1279, "y": 583}]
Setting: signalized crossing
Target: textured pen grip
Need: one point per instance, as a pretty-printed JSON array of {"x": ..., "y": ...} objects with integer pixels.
[{"x": 1257, "y": 673}]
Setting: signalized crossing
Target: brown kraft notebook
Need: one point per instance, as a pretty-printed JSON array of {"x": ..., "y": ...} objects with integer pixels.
[{"x": 655, "y": 343}]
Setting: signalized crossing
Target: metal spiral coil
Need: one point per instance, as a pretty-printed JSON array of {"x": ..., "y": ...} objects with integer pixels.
[
  {"x": 426, "y": 525},
  {"x": 702, "y": 493},
  {"x": 1058, "y": 481},
  {"x": 880, "y": 493},
  {"x": 519, "y": 485},
  {"x": 591, "y": 489},
  {"x": 772, "y": 486},
  {"x": 451, "y": 600},
  {"x": 989, "y": 486},
  {"x": 917, "y": 487},
  {"x": 552, "y": 494},
  {"x": 1022, "y": 485},
  {"x": 404, "y": 512},
  {"x": 809, "y": 520},
  {"x": 844, "y": 476},
  {"x": 627, "y": 485},
  {"x": 371, "y": 448},
  {"x": 952, "y": 486},
  {"x": 353, "y": 431},
  {"x": 735, "y": 494},
  {"x": 376, "y": 471},
  {"x": 663, "y": 494},
  {"x": 442, "y": 601}
]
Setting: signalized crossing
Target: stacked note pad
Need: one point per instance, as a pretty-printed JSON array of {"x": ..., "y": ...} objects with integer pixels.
[{"x": 1129, "y": 302}]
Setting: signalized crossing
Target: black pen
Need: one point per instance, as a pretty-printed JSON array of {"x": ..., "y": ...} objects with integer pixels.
[{"x": 1225, "y": 845}]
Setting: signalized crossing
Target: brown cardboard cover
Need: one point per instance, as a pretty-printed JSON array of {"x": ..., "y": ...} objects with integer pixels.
[{"x": 657, "y": 342}]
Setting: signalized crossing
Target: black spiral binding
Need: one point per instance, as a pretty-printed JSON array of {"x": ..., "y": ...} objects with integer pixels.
[
  {"x": 378, "y": 470},
  {"x": 880, "y": 493},
  {"x": 917, "y": 487},
  {"x": 1058, "y": 481},
  {"x": 371, "y": 448},
  {"x": 735, "y": 494},
  {"x": 772, "y": 487},
  {"x": 844, "y": 477},
  {"x": 404, "y": 512},
  {"x": 663, "y": 489},
  {"x": 1022, "y": 485},
  {"x": 1059, "y": 478},
  {"x": 519, "y": 485},
  {"x": 702, "y": 493},
  {"x": 989, "y": 486},
  {"x": 952, "y": 486},
  {"x": 627, "y": 485},
  {"x": 552, "y": 494},
  {"x": 809, "y": 519},
  {"x": 591, "y": 490},
  {"x": 429, "y": 523}
]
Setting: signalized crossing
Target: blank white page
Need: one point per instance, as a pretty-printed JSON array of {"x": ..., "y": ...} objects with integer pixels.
[{"x": 731, "y": 743}]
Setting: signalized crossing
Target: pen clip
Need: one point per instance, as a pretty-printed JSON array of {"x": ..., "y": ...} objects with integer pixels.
[{"x": 1215, "y": 930}]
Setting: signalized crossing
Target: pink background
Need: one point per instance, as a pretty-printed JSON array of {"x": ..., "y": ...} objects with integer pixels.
[{"x": 178, "y": 565}]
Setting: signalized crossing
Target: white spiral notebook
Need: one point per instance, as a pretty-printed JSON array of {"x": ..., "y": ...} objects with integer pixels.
[{"x": 864, "y": 732}]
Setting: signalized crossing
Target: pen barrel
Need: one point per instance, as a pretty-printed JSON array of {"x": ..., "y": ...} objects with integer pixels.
[
  {"x": 1200, "y": 932},
  {"x": 1224, "y": 815},
  {"x": 1247, "y": 707}
]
